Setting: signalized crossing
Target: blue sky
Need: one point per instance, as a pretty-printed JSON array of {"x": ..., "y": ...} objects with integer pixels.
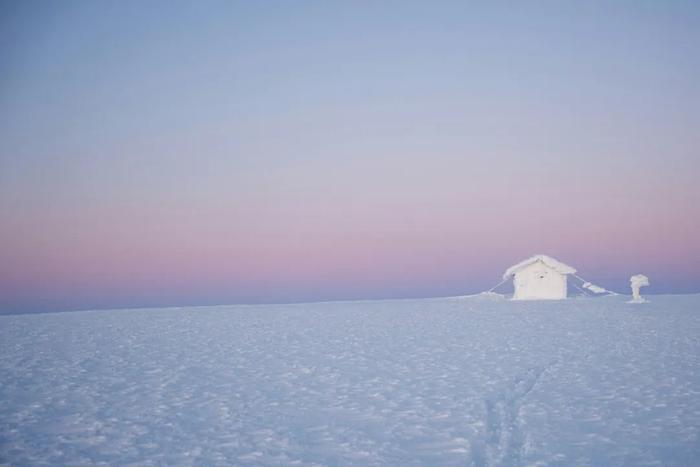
[{"x": 221, "y": 152}]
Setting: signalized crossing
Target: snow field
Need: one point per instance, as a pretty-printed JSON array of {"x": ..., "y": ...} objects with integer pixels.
[{"x": 454, "y": 381}]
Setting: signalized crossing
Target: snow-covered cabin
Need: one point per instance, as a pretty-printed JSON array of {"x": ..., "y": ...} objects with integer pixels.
[{"x": 540, "y": 277}]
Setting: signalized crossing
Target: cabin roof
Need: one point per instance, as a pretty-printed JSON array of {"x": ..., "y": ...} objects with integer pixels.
[{"x": 558, "y": 266}]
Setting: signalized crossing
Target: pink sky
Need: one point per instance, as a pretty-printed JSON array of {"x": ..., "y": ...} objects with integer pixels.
[{"x": 314, "y": 153}]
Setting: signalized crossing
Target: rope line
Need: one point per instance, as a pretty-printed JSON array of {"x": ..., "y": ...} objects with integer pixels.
[
  {"x": 582, "y": 291},
  {"x": 497, "y": 285},
  {"x": 609, "y": 292},
  {"x": 584, "y": 281}
]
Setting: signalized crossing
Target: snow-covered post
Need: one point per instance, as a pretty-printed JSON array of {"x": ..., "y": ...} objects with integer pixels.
[{"x": 637, "y": 282}]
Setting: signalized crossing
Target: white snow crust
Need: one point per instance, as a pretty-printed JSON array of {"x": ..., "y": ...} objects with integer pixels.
[
  {"x": 457, "y": 381},
  {"x": 639, "y": 280},
  {"x": 557, "y": 265},
  {"x": 593, "y": 288},
  {"x": 636, "y": 282}
]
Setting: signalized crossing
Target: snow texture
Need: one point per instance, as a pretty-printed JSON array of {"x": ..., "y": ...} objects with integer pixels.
[
  {"x": 558, "y": 266},
  {"x": 459, "y": 381}
]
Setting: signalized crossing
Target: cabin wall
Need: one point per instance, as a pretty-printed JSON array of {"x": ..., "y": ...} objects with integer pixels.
[{"x": 539, "y": 282}]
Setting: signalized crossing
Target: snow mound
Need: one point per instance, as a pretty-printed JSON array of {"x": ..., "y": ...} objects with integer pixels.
[
  {"x": 593, "y": 288},
  {"x": 490, "y": 296}
]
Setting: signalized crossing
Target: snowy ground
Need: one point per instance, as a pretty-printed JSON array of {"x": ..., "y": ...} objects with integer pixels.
[{"x": 468, "y": 381}]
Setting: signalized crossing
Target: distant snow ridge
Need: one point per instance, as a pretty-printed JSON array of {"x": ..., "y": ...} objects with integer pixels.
[{"x": 457, "y": 381}]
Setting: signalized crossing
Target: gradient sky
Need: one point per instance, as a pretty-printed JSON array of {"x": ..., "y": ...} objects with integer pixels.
[{"x": 174, "y": 153}]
